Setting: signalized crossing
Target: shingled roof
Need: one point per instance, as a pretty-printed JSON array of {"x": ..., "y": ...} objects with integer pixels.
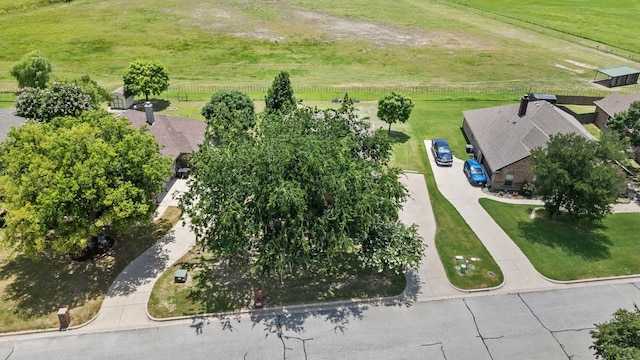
[
  {"x": 616, "y": 103},
  {"x": 505, "y": 137},
  {"x": 175, "y": 135}
]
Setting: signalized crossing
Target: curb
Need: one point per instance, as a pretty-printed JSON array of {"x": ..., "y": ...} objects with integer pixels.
[{"x": 51, "y": 330}]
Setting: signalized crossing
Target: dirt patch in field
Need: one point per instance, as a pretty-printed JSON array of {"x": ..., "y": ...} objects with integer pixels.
[{"x": 287, "y": 23}]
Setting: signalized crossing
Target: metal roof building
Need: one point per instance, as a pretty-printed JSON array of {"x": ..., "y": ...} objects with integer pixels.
[{"x": 618, "y": 76}]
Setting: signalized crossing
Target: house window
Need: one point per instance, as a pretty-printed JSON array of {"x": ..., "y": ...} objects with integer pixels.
[{"x": 508, "y": 179}]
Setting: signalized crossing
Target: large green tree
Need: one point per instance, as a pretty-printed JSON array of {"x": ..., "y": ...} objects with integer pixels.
[
  {"x": 61, "y": 99},
  {"x": 578, "y": 175},
  {"x": 618, "y": 339},
  {"x": 627, "y": 124},
  {"x": 146, "y": 77},
  {"x": 32, "y": 70},
  {"x": 394, "y": 107},
  {"x": 227, "y": 113},
  {"x": 307, "y": 186},
  {"x": 280, "y": 97},
  {"x": 73, "y": 178}
]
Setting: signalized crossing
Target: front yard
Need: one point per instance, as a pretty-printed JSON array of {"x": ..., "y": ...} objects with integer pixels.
[{"x": 561, "y": 250}]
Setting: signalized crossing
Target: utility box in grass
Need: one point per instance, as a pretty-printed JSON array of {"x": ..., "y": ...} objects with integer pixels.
[
  {"x": 180, "y": 276},
  {"x": 64, "y": 318}
]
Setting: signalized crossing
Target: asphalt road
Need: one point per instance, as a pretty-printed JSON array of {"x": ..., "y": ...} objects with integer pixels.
[{"x": 546, "y": 325}]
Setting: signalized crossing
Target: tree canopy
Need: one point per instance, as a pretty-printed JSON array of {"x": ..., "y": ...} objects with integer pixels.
[
  {"x": 627, "y": 124},
  {"x": 394, "y": 107},
  {"x": 305, "y": 187},
  {"x": 32, "y": 70},
  {"x": 76, "y": 177},
  {"x": 578, "y": 175},
  {"x": 280, "y": 96},
  {"x": 618, "y": 339},
  {"x": 61, "y": 99},
  {"x": 146, "y": 77},
  {"x": 228, "y": 112}
]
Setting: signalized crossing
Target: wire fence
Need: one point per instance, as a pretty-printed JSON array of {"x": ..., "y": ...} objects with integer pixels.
[{"x": 184, "y": 91}]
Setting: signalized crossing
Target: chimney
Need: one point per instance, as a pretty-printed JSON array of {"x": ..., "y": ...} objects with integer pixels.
[
  {"x": 523, "y": 105},
  {"x": 148, "y": 109}
]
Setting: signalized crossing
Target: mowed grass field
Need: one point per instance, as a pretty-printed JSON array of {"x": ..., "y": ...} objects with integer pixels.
[
  {"x": 349, "y": 44},
  {"x": 612, "y": 22}
]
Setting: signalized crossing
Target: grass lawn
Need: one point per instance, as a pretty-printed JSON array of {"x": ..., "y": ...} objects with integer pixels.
[
  {"x": 32, "y": 290},
  {"x": 216, "y": 286},
  {"x": 563, "y": 251},
  {"x": 321, "y": 43},
  {"x": 584, "y": 18}
]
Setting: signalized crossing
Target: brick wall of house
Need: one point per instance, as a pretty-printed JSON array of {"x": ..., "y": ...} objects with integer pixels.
[
  {"x": 522, "y": 174},
  {"x": 601, "y": 118}
]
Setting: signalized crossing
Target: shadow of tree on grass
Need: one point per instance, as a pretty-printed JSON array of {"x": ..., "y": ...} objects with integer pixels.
[
  {"x": 585, "y": 240},
  {"x": 38, "y": 286},
  {"x": 398, "y": 137}
]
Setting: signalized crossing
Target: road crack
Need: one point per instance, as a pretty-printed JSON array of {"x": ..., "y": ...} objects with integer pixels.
[
  {"x": 484, "y": 340},
  {"x": 553, "y": 332},
  {"x": 444, "y": 355}
]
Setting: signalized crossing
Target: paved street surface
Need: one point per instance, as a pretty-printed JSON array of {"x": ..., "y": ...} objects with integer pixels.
[{"x": 535, "y": 325}]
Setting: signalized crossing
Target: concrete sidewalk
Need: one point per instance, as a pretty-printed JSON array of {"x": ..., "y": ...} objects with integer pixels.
[
  {"x": 430, "y": 281},
  {"x": 125, "y": 305}
]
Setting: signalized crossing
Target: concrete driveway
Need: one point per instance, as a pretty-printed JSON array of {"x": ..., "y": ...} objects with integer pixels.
[{"x": 519, "y": 273}]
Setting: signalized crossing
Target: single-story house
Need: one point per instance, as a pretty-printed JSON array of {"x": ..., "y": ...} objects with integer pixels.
[
  {"x": 503, "y": 137},
  {"x": 177, "y": 136},
  {"x": 611, "y": 105}
]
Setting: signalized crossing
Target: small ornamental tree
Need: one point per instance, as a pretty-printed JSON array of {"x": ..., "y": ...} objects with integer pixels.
[
  {"x": 32, "y": 70},
  {"x": 60, "y": 99},
  {"x": 227, "y": 112},
  {"x": 146, "y": 77},
  {"x": 68, "y": 180},
  {"x": 280, "y": 96},
  {"x": 394, "y": 108},
  {"x": 618, "y": 339}
]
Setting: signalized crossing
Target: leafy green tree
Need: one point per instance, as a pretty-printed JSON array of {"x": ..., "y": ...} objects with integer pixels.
[
  {"x": 306, "y": 187},
  {"x": 61, "y": 99},
  {"x": 394, "y": 107},
  {"x": 280, "y": 96},
  {"x": 76, "y": 177},
  {"x": 146, "y": 77},
  {"x": 98, "y": 93},
  {"x": 578, "y": 175},
  {"x": 32, "y": 70},
  {"x": 228, "y": 112},
  {"x": 618, "y": 339},
  {"x": 627, "y": 124}
]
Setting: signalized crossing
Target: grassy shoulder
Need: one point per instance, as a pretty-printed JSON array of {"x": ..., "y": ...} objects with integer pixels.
[
  {"x": 562, "y": 250},
  {"x": 214, "y": 285},
  {"x": 33, "y": 289}
]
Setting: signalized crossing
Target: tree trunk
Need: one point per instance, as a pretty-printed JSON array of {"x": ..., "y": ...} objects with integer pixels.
[{"x": 389, "y": 132}]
